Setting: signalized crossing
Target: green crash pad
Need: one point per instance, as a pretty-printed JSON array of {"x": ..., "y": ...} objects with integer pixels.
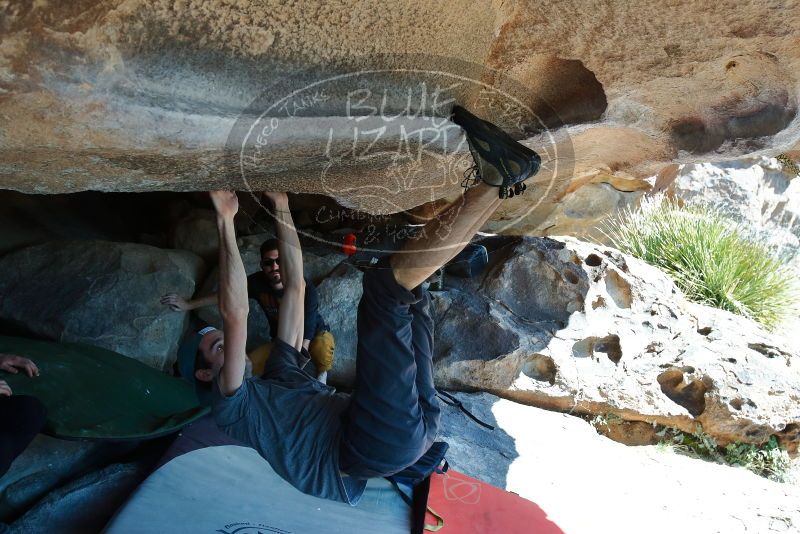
[{"x": 97, "y": 394}]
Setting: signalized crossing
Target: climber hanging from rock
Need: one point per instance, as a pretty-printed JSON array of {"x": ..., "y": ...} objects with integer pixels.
[{"x": 325, "y": 443}]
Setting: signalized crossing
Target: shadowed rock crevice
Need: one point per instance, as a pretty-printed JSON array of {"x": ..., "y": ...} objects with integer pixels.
[
  {"x": 593, "y": 260},
  {"x": 598, "y": 302},
  {"x": 689, "y": 394},
  {"x": 571, "y": 277},
  {"x": 742, "y": 403},
  {"x": 558, "y": 91},
  {"x": 768, "y": 350},
  {"x": 541, "y": 367},
  {"x": 618, "y": 289},
  {"x": 594, "y": 347},
  {"x": 789, "y": 437}
]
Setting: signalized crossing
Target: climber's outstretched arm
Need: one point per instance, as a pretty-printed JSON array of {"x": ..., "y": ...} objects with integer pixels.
[{"x": 233, "y": 303}]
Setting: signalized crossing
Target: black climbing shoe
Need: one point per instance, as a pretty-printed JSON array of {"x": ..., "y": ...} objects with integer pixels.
[{"x": 499, "y": 160}]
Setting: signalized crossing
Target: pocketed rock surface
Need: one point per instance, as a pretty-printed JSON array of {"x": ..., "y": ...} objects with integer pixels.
[
  {"x": 600, "y": 332},
  {"x": 569, "y": 326}
]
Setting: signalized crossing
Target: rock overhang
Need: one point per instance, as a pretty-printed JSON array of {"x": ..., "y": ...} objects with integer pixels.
[{"x": 127, "y": 97}]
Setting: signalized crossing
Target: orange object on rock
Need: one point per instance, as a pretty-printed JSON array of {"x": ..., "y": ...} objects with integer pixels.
[{"x": 349, "y": 246}]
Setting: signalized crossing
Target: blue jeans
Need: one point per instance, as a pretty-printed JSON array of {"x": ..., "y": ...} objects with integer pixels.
[{"x": 393, "y": 416}]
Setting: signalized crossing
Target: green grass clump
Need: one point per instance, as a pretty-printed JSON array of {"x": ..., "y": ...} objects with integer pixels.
[
  {"x": 768, "y": 460},
  {"x": 712, "y": 259}
]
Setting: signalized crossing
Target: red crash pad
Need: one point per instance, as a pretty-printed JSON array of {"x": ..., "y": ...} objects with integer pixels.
[{"x": 470, "y": 506}]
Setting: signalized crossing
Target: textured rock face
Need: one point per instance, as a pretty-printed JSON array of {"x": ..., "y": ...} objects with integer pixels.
[
  {"x": 569, "y": 326},
  {"x": 127, "y": 97},
  {"x": 339, "y": 295},
  {"x": 46, "y": 464},
  {"x": 627, "y": 343},
  {"x": 86, "y": 504},
  {"x": 100, "y": 293},
  {"x": 761, "y": 193},
  {"x": 197, "y": 233}
]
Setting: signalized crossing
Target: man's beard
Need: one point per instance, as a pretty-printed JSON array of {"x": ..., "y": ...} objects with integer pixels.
[{"x": 274, "y": 284}]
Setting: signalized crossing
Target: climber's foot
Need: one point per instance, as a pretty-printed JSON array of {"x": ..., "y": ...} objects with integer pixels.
[{"x": 500, "y": 161}]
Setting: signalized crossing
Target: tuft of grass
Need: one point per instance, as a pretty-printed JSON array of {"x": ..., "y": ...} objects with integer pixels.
[
  {"x": 713, "y": 259},
  {"x": 768, "y": 460},
  {"x": 697, "y": 444}
]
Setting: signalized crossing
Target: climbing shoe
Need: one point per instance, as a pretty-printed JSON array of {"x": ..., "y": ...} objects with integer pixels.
[{"x": 499, "y": 160}]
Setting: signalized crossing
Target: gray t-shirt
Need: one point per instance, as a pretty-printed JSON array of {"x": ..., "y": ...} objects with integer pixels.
[{"x": 295, "y": 423}]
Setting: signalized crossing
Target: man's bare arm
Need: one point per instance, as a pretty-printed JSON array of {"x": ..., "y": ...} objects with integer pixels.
[
  {"x": 290, "y": 318},
  {"x": 233, "y": 303}
]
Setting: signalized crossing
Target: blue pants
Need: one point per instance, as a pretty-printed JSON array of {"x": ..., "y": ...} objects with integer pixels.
[{"x": 393, "y": 415}]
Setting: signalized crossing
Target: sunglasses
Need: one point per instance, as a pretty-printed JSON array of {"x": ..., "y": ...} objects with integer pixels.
[{"x": 269, "y": 262}]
